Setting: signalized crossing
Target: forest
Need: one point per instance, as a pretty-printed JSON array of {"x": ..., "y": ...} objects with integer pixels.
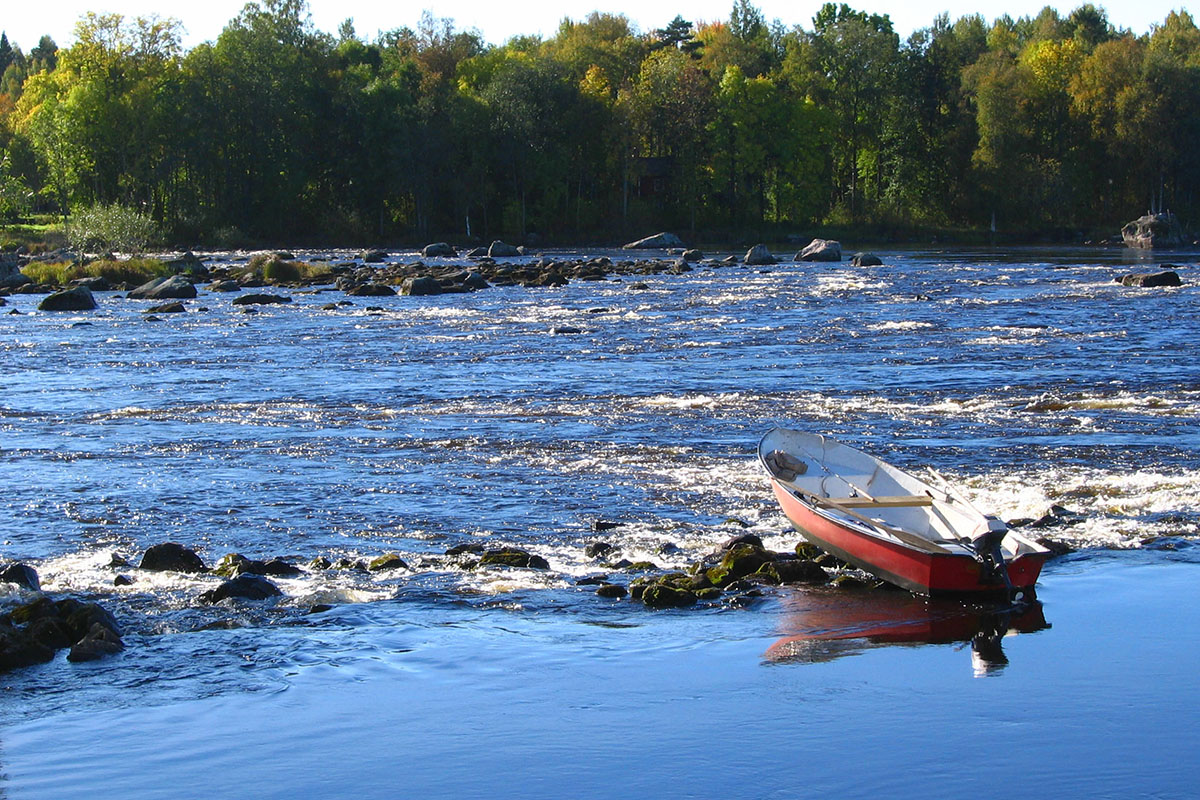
[{"x": 1043, "y": 126}]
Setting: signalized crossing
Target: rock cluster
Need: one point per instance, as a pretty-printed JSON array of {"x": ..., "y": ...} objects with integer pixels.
[
  {"x": 734, "y": 572},
  {"x": 33, "y": 632}
]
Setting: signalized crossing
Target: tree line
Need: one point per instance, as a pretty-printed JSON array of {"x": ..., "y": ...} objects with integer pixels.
[{"x": 278, "y": 131}]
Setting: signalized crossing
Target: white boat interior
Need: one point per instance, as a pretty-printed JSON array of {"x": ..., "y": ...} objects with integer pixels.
[{"x": 853, "y": 487}]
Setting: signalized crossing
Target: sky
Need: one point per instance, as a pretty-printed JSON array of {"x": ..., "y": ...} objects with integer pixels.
[{"x": 25, "y": 22}]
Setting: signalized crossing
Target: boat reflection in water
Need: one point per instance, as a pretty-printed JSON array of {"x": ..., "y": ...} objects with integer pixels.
[{"x": 825, "y": 624}]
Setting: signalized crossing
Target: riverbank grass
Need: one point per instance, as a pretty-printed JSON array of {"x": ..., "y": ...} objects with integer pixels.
[{"x": 133, "y": 271}]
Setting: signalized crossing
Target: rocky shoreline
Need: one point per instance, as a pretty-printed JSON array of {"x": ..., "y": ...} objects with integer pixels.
[{"x": 736, "y": 573}]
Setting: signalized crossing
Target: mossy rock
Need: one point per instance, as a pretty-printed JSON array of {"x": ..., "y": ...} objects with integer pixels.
[
  {"x": 662, "y": 595},
  {"x": 613, "y": 590},
  {"x": 228, "y": 566},
  {"x": 642, "y": 566},
  {"x": 741, "y": 560},
  {"x": 800, "y": 571},
  {"x": 513, "y": 557},
  {"x": 808, "y": 551},
  {"x": 709, "y": 593},
  {"x": 386, "y": 562},
  {"x": 849, "y": 582}
]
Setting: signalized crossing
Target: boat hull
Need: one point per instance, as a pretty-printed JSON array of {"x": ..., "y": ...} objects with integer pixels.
[{"x": 913, "y": 569}]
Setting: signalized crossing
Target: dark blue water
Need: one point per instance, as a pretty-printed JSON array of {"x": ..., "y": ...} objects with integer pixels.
[{"x": 411, "y": 425}]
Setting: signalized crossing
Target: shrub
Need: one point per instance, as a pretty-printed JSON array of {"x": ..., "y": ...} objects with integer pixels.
[{"x": 108, "y": 228}]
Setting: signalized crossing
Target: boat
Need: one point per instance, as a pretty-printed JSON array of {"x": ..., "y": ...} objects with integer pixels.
[{"x": 925, "y": 538}]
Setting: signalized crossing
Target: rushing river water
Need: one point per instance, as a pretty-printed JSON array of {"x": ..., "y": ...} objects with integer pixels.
[{"x": 415, "y": 424}]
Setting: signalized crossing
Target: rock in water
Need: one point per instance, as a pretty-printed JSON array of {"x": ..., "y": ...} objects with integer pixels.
[
  {"x": 387, "y": 562},
  {"x": 261, "y": 299},
  {"x": 659, "y": 241},
  {"x": 22, "y": 575},
  {"x": 513, "y": 557},
  {"x": 172, "y": 557},
  {"x": 1153, "y": 230},
  {"x": 77, "y": 299},
  {"x": 176, "y": 287},
  {"x": 97, "y": 643},
  {"x": 1150, "y": 279},
  {"x": 759, "y": 256},
  {"x": 821, "y": 250},
  {"x": 499, "y": 249},
  {"x": 865, "y": 260},
  {"x": 245, "y": 587},
  {"x": 438, "y": 250}
]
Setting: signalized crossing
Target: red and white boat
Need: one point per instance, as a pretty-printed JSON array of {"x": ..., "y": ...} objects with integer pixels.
[{"x": 927, "y": 539}]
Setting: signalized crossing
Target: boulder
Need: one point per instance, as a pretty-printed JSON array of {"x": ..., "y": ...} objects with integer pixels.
[
  {"x": 97, "y": 283},
  {"x": 740, "y": 539},
  {"x": 1150, "y": 279},
  {"x": 759, "y": 256},
  {"x": 865, "y": 260},
  {"x": 18, "y": 649},
  {"x": 260, "y": 299},
  {"x": 243, "y": 587},
  {"x": 372, "y": 290},
  {"x": 738, "y": 562},
  {"x": 598, "y": 549},
  {"x": 821, "y": 250},
  {"x": 373, "y": 256},
  {"x": 659, "y": 241},
  {"x": 1153, "y": 230},
  {"x": 225, "y": 286},
  {"x": 176, "y": 287},
  {"x": 613, "y": 590},
  {"x": 21, "y": 575},
  {"x": 438, "y": 250},
  {"x": 421, "y": 286},
  {"x": 173, "y": 307},
  {"x": 797, "y": 570},
  {"x": 10, "y": 267},
  {"x": 478, "y": 252},
  {"x": 387, "y": 562},
  {"x": 97, "y": 643},
  {"x": 77, "y": 299},
  {"x": 664, "y": 595},
  {"x": 513, "y": 557},
  {"x": 692, "y": 255},
  {"x": 499, "y": 249},
  {"x": 474, "y": 280},
  {"x": 171, "y": 557}
]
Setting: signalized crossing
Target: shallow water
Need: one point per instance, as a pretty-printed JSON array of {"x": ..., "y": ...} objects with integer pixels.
[{"x": 415, "y": 424}]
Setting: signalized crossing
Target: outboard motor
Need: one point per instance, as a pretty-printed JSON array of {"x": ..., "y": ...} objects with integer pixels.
[{"x": 988, "y": 551}]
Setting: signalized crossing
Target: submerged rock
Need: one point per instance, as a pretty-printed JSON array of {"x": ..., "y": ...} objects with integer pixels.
[
  {"x": 612, "y": 590},
  {"x": 598, "y": 549},
  {"x": 172, "y": 557}
]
